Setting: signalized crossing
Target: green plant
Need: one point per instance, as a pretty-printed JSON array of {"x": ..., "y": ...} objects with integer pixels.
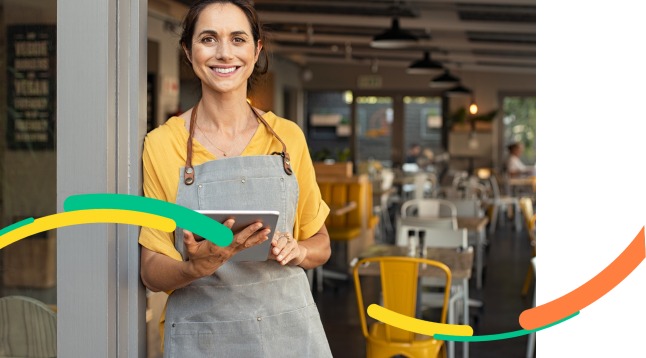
[
  {"x": 458, "y": 116},
  {"x": 461, "y": 115},
  {"x": 344, "y": 155},
  {"x": 485, "y": 117},
  {"x": 321, "y": 155}
]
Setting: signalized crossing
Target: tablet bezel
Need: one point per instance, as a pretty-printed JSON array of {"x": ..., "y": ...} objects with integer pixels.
[{"x": 244, "y": 218}]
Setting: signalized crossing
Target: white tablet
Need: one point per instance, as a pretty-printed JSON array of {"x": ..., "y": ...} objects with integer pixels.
[{"x": 244, "y": 218}]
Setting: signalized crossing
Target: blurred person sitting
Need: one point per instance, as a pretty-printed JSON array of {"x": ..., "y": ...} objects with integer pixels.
[
  {"x": 414, "y": 153},
  {"x": 515, "y": 166}
]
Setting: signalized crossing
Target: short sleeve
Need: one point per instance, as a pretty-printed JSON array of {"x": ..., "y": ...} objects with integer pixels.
[
  {"x": 312, "y": 210},
  {"x": 152, "y": 239}
]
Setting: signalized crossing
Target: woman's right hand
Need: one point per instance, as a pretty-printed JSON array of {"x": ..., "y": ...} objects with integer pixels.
[{"x": 204, "y": 257}]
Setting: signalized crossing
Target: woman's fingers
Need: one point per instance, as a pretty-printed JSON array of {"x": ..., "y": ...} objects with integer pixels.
[
  {"x": 189, "y": 238},
  {"x": 285, "y": 248}
]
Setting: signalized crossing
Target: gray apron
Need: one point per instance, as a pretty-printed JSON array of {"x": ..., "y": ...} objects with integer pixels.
[{"x": 245, "y": 309}]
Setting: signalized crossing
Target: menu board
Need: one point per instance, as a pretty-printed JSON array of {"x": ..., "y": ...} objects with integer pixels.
[{"x": 31, "y": 86}]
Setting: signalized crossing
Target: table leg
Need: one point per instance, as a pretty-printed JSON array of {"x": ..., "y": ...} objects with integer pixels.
[
  {"x": 465, "y": 303},
  {"x": 517, "y": 217},
  {"x": 479, "y": 257}
]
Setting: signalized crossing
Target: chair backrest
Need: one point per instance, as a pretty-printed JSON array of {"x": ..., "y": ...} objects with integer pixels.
[
  {"x": 387, "y": 178},
  {"x": 407, "y": 224},
  {"x": 339, "y": 193},
  {"x": 419, "y": 185},
  {"x": 428, "y": 207},
  {"x": 438, "y": 237},
  {"x": 27, "y": 328},
  {"x": 527, "y": 210},
  {"x": 495, "y": 186},
  {"x": 399, "y": 282},
  {"x": 468, "y": 207}
]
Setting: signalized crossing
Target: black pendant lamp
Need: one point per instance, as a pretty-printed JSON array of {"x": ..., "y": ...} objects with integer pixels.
[
  {"x": 444, "y": 80},
  {"x": 394, "y": 37},
  {"x": 425, "y": 66},
  {"x": 458, "y": 91}
]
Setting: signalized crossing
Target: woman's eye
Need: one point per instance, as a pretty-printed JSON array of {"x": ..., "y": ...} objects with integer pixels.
[
  {"x": 207, "y": 40},
  {"x": 238, "y": 39}
]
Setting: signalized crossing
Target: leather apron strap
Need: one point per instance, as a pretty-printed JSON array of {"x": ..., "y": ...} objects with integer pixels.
[{"x": 189, "y": 172}]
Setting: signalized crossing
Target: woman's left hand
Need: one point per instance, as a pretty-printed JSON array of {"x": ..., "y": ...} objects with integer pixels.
[{"x": 286, "y": 250}]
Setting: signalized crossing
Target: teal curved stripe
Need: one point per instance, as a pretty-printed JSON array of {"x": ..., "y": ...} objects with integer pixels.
[
  {"x": 14, "y": 226},
  {"x": 499, "y": 336},
  {"x": 185, "y": 218}
]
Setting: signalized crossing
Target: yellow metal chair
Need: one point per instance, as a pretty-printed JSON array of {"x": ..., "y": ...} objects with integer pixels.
[
  {"x": 529, "y": 216},
  {"x": 399, "y": 284}
]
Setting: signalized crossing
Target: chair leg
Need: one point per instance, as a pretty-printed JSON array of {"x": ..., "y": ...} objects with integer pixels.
[
  {"x": 517, "y": 218},
  {"x": 494, "y": 218},
  {"x": 528, "y": 281},
  {"x": 319, "y": 278},
  {"x": 531, "y": 343},
  {"x": 310, "y": 277}
]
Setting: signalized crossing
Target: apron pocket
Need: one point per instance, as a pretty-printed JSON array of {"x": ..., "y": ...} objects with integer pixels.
[
  {"x": 296, "y": 334},
  {"x": 214, "y": 339}
]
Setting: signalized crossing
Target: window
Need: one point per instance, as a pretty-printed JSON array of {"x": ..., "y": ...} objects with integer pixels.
[{"x": 519, "y": 125}]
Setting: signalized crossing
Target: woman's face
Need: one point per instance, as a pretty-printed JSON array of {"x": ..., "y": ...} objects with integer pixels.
[{"x": 223, "y": 52}]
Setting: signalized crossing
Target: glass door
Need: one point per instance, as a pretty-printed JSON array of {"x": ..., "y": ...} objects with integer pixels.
[
  {"x": 374, "y": 116},
  {"x": 27, "y": 147}
]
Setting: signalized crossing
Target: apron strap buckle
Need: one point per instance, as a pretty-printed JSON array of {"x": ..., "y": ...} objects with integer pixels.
[
  {"x": 287, "y": 165},
  {"x": 189, "y": 175}
]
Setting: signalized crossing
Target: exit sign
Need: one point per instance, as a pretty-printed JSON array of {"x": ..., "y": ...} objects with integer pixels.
[{"x": 369, "y": 81}]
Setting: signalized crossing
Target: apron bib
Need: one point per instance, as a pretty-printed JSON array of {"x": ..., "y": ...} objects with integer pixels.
[{"x": 245, "y": 309}]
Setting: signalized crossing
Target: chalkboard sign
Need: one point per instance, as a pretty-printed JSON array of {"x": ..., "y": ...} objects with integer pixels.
[{"x": 31, "y": 87}]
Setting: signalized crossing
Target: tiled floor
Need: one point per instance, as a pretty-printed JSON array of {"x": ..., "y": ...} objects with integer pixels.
[{"x": 506, "y": 266}]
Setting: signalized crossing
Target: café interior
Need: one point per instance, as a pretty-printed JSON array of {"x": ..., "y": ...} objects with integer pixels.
[{"x": 408, "y": 108}]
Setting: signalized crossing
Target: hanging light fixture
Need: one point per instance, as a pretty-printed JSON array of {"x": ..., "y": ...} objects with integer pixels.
[
  {"x": 424, "y": 66},
  {"x": 458, "y": 91},
  {"x": 444, "y": 80},
  {"x": 473, "y": 107},
  {"x": 394, "y": 37}
]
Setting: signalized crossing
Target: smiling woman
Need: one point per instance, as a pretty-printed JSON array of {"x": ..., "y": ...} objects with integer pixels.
[{"x": 224, "y": 154}]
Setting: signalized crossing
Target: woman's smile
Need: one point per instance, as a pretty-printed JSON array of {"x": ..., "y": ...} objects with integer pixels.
[{"x": 228, "y": 70}]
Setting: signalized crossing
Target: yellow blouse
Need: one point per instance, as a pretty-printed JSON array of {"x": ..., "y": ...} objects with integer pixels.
[{"x": 165, "y": 154}]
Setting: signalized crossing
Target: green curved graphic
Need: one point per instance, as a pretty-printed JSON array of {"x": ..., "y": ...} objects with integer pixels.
[
  {"x": 185, "y": 218},
  {"x": 499, "y": 336},
  {"x": 17, "y": 225}
]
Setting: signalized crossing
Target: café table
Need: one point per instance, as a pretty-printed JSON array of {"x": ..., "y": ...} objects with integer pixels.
[
  {"x": 459, "y": 262},
  {"x": 521, "y": 184},
  {"x": 476, "y": 225}
]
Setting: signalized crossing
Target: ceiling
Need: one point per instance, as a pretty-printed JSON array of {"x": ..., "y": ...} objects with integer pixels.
[{"x": 476, "y": 35}]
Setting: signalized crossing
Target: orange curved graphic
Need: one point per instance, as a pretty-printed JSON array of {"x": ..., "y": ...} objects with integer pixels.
[{"x": 590, "y": 291}]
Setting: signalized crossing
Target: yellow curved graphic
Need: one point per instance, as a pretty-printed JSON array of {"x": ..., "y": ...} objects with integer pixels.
[
  {"x": 417, "y": 325},
  {"x": 94, "y": 216}
]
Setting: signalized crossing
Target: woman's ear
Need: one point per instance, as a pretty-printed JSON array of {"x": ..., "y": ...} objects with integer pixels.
[
  {"x": 187, "y": 53},
  {"x": 258, "y": 49}
]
